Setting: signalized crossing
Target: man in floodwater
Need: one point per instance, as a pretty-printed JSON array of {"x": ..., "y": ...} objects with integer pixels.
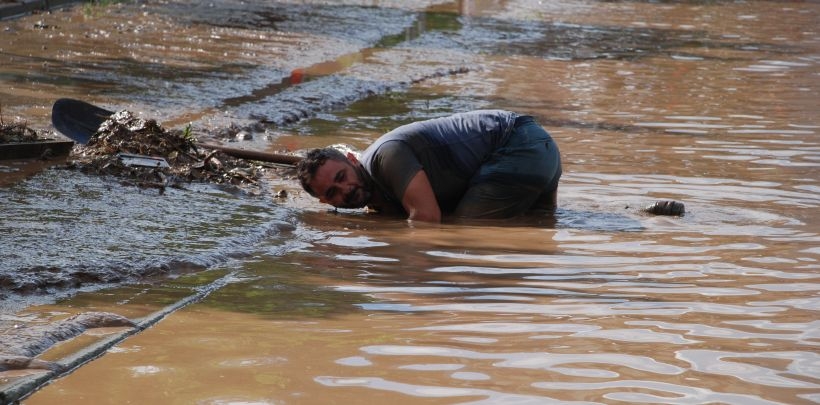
[{"x": 479, "y": 164}]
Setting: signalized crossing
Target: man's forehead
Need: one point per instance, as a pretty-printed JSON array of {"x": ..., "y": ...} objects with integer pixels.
[{"x": 327, "y": 171}]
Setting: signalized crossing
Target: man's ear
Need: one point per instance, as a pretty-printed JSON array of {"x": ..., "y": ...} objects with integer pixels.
[{"x": 352, "y": 158}]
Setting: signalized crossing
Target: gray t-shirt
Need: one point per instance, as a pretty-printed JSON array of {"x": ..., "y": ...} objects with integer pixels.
[{"x": 449, "y": 149}]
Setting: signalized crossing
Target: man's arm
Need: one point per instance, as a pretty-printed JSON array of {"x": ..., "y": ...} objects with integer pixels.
[{"x": 419, "y": 200}]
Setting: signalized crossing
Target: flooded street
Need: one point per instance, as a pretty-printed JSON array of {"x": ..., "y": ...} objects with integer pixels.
[{"x": 246, "y": 298}]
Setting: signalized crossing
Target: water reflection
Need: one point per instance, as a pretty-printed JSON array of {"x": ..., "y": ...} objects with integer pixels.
[
  {"x": 430, "y": 391},
  {"x": 666, "y": 393}
]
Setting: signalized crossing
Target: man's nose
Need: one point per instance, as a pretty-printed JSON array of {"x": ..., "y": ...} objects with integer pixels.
[
  {"x": 323, "y": 199},
  {"x": 332, "y": 201}
]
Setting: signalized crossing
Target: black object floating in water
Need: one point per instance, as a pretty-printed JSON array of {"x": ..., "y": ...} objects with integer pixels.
[{"x": 666, "y": 207}]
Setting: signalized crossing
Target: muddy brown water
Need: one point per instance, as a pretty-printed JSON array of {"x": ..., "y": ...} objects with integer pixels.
[{"x": 710, "y": 103}]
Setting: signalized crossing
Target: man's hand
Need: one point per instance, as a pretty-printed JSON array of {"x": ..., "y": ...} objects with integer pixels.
[{"x": 419, "y": 200}]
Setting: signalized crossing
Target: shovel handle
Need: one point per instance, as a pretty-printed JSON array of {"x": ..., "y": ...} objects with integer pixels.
[{"x": 254, "y": 154}]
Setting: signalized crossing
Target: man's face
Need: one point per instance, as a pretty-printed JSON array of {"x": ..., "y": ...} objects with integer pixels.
[{"x": 341, "y": 185}]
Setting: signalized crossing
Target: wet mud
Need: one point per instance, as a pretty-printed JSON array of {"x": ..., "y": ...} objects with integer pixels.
[{"x": 110, "y": 232}]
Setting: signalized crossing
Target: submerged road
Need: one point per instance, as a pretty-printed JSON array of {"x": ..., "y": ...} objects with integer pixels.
[{"x": 266, "y": 300}]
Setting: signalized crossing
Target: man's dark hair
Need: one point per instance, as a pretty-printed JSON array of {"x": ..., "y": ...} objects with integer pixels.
[{"x": 307, "y": 167}]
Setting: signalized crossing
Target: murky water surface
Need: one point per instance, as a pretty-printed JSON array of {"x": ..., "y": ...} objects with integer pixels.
[{"x": 710, "y": 103}]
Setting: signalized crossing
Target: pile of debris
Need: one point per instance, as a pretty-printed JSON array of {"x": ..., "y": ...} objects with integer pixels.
[
  {"x": 16, "y": 132},
  {"x": 142, "y": 153}
]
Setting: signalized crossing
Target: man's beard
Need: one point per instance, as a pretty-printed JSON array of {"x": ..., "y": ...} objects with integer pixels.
[{"x": 359, "y": 196}]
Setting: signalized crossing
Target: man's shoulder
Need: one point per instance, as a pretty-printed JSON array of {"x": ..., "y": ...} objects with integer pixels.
[
  {"x": 383, "y": 149},
  {"x": 385, "y": 145}
]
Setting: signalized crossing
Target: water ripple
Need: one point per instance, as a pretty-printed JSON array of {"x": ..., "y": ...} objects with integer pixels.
[
  {"x": 625, "y": 308},
  {"x": 804, "y": 333},
  {"x": 719, "y": 362},
  {"x": 428, "y": 391},
  {"x": 544, "y": 361},
  {"x": 675, "y": 393}
]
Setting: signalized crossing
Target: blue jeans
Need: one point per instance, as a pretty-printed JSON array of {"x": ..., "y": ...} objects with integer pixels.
[{"x": 520, "y": 177}]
